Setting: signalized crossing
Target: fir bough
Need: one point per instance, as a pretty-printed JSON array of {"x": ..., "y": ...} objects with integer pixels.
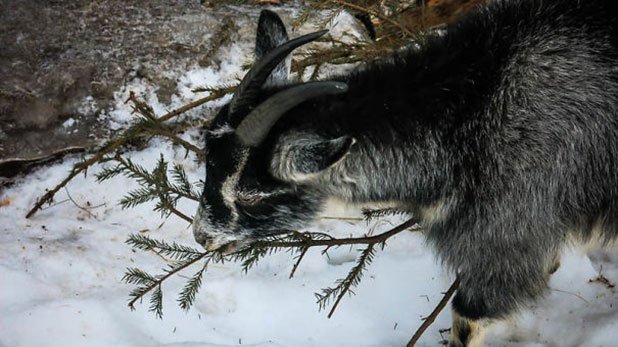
[
  {"x": 345, "y": 285},
  {"x": 182, "y": 258},
  {"x": 155, "y": 185}
]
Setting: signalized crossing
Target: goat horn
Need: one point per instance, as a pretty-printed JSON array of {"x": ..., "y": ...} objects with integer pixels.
[
  {"x": 257, "y": 75},
  {"x": 255, "y": 127}
]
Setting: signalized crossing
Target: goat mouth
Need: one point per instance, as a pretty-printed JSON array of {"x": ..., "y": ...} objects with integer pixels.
[
  {"x": 226, "y": 247},
  {"x": 223, "y": 248}
]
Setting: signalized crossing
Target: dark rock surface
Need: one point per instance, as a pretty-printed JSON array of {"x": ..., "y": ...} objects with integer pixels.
[{"x": 63, "y": 60}]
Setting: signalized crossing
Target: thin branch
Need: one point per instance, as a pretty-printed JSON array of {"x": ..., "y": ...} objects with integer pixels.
[
  {"x": 216, "y": 94},
  {"x": 77, "y": 169},
  {"x": 174, "y": 138},
  {"x": 434, "y": 314},
  {"x": 166, "y": 203},
  {"x": 78, "y": 205},
  {"x": 367, "y": 240},
  {"x": 179, "y": 214},
  {"x": 571, "y": 293},
  {"x": 300, "y": 258}
]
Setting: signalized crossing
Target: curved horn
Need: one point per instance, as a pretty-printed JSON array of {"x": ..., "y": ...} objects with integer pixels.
[
  {"x": 257, "y": 75},
  {"x": 255, "y": 127}
]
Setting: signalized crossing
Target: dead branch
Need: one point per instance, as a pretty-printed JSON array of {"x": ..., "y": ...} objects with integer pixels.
[{"x": 434, "y": 314}]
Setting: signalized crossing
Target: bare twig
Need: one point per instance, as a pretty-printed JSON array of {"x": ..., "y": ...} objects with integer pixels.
[
  {"x": 214, "y": 96},
  {"x": 174, "y": 138},
  {"x": 78, "y": 205},
  {"x": 434, "y": 314},
  {"x": 571, "y": 293},
  {"x": 300, "y": 258}
]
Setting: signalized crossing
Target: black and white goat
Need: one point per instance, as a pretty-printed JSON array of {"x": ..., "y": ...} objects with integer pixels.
[{"x": 501, "y": 135}]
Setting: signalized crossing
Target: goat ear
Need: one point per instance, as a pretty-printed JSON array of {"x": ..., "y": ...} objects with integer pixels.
[
  {"x": 271, "y": 33},
  {"x": 300, "y": 158}
]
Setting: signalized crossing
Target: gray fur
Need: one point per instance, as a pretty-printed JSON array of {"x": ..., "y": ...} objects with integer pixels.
[{"x": 502, "y": 135}]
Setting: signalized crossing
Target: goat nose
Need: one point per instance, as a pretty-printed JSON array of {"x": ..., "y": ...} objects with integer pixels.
[
  {"x": 223, "y": 248},
  {"x": 212, "y": 246},
  {"x": 207, "y": 242},
  {"x": 202, "y": 239}
]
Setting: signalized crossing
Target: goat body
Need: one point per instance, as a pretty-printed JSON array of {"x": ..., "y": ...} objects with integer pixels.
[{"x": 501, "y": 134}]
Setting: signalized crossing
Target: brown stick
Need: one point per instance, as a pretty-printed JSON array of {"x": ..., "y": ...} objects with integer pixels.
[
  {"x": 368, "y": 240},
  {"x": 187, "y": 145},
  {"x": 434, "y": 314}
]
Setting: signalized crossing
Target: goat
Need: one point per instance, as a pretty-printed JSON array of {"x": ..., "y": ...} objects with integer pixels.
[{"x": 501, "y": 135}]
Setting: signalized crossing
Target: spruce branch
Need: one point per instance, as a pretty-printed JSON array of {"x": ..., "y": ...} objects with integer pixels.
[
  {"x": 190, "y": 290},
  {"x": 131, "y": 133},
  {"x": 174, "y": 250},
  {"x": 153, "y": 185},
  {"x": 333, "y": 242},
  {"x": 147, "y": 283},
  {"x": 303, "y": 241},
  {"x": 344, "y": 286},
  {"x": 184, "y": 256},
  {"x": 156, "y": 302}
]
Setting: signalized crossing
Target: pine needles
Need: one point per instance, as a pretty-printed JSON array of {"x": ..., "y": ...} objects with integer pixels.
[
  {"x": 138, "y": 130},
  {"x": 346, "y": 284},
  {"x": 154, "y": 185},
  {"x": 182, "y": 257}
]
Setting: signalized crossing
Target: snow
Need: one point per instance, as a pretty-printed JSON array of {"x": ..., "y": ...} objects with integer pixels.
[
  {"x": 60, "y": 271},
  {"x": 69, "y": 123}
]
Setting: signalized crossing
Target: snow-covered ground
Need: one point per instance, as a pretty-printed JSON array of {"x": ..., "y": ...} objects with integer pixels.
[{"x": 60, "y": 273}]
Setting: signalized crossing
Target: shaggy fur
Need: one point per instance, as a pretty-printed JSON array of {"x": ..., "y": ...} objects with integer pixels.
[{"x": 501, "y": 134}]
